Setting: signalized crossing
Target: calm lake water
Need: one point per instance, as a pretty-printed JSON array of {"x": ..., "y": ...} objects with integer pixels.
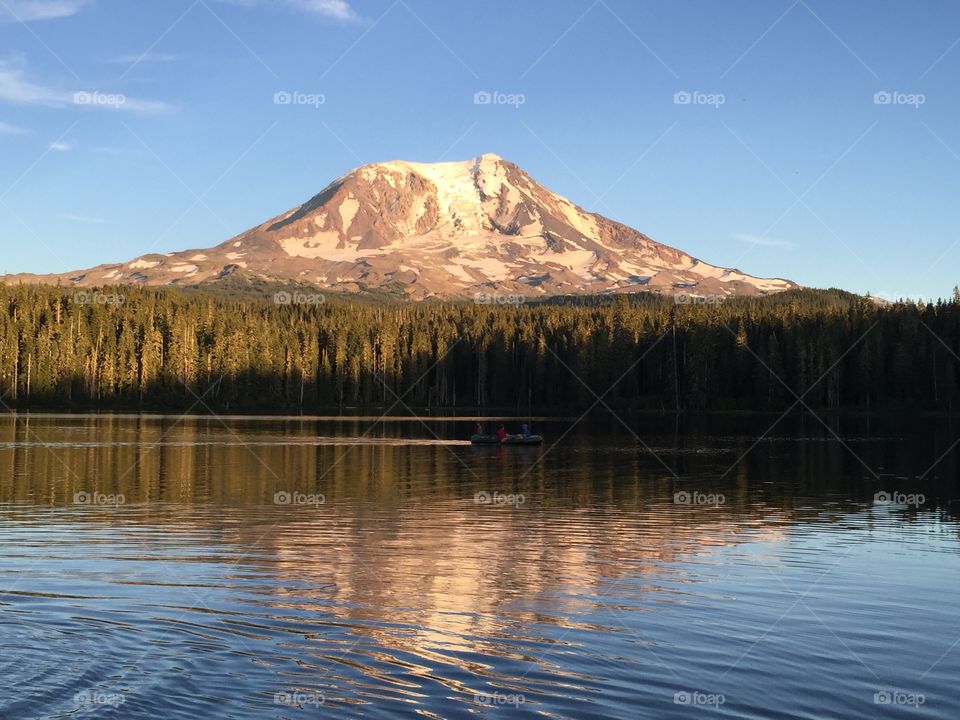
[{"x": 159, "y": 567}]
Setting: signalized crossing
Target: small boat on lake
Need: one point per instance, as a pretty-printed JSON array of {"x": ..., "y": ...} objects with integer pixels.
[
  {"x": 523, "y": 440},
  {"x": 509, "y": 440}
]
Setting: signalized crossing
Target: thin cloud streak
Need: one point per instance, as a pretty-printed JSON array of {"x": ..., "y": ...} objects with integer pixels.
[
  {"x": 17, "y": 90},
  {"x": 13, "y": 11},
  {"x": 333, "y": 9},
  {"x": 763, "y": 241},
  {"x": 340, "y": 10},
  {"x": 144, "y": 58},
  {"x": 7, "y": 129}
]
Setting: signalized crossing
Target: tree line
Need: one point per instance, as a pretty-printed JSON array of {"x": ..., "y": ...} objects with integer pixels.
[{"x": 133, "y": 347}]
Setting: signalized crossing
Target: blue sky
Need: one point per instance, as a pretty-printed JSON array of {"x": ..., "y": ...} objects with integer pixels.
[{"x": 748, "y": 133}]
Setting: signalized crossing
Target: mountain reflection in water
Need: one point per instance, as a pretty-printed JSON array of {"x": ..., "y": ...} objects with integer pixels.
[{"x": 158, "y": 566}]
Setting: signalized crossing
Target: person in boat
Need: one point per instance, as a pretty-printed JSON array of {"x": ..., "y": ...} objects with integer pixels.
[
  {"x": 501, "y": 434},
  {"x": 526, "y": 430},
  {"x": 479, "y": 429}
]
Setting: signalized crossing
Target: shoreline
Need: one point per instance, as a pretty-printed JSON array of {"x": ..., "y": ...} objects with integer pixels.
[{"x": 460, "y": 414}]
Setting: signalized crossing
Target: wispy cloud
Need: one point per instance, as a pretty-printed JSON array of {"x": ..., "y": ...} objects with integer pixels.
[
  {"x": 334, "y": 9},
  {"x": 340, "y": 10},
  {"x": 61, "y": 146},
  {"x": 16, "y": 89},
  {"x": 149, "y": 57},
  {"x": 30, "y": 10},
  {"x": 7, "y": 129},
  {"x": 762, "y": 240}
]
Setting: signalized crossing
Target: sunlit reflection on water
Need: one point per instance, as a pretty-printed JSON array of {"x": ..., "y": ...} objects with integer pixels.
[{"x": 265, "y": 568}]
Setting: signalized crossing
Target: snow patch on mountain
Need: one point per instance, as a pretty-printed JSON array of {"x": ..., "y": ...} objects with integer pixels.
[{"x": 448, "y": 229}]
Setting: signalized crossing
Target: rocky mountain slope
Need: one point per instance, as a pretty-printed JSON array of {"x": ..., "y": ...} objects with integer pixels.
[{"x": 445, "y": 230}]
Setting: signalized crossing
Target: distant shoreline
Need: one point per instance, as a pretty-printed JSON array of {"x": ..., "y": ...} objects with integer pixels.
[{"x": 459, "y": 414}]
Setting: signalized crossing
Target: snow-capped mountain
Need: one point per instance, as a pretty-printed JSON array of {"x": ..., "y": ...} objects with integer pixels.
[{"x": 453, "y": 229}]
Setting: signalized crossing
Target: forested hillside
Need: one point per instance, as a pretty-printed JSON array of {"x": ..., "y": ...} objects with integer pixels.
[{"x": 140, "y": 348}]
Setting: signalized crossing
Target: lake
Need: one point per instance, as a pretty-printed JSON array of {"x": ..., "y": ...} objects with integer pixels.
[{"x": 159, "y": 566}]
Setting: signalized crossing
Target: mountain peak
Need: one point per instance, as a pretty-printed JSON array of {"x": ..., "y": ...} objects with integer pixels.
[
  {"x": 446, "y": 229},
  {"x": 442, "y": 170},
  {"x": 477, "y": 160}
]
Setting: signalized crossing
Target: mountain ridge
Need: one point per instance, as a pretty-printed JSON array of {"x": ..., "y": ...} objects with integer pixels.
[{"x": 441, "y": 230}]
